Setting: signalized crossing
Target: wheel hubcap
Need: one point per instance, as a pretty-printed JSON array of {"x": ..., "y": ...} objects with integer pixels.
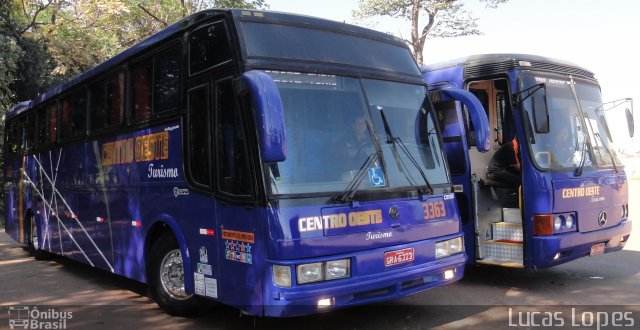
[{"x": 172, "y": 275}]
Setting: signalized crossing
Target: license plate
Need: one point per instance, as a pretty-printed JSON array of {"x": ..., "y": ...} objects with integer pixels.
[
  {"x": 398, "y": 257},
  {"x": 597, "y": 249}
]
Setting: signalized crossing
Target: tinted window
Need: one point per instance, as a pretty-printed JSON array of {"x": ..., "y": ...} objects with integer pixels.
[
  {"x": 451, "y": 136},
  {"x": 29, "y": 129},
  {"x": 142, "y": 78},
  {"x": 42, "y": 126},
  {"x": 281, "y": 41},
  {"x": 199, "y": 135},
  {"x": 47, "y": 124},
  {"x": 13, "y": 136},
  {"x": 208, "y": 47},
  {"x": 167, "y": 80},
  {"x": 107, "y": 102},
  {"x": 74, "y": 112},
  {"x": 233, "y": 163}
]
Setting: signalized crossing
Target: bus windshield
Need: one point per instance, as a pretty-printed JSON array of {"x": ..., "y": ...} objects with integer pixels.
[
  {"x": 568, "y": 137},
  {"x": 334, "y": 127}
]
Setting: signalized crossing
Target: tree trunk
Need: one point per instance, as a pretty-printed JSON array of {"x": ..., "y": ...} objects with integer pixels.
[{"x": 415, "y": 38}]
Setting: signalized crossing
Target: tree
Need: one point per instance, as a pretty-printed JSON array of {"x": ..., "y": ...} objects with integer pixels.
[
  {"x": 445, "y": 18},
  {"x": 146, "y": 17}
]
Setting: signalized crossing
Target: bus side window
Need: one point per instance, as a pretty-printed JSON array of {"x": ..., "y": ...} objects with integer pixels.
[
  {"x": 198, "y": 138},
  {"x": 208, "y": 48},
  {"x": 142, "y": 89},
  {"x": 74, "y": 113},
  {"x": 29, "y": 132},
  {"x": 41, "y": 119},
  {"x": 11, "y": 134},
  {"x": 166, "y": 88},
  {"x": 451, "y": 136},
  {"x": 47, "y": 119},
  {"x": 156, "y": 84},
  {"x": 232, "y": 159},
  {"x": 52, "y": 117},
  {"x": 107, "y": 102},
  {"x": 14, "y": 136}
]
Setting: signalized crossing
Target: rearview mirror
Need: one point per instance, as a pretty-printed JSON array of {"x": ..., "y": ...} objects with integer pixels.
[
  {"x": 538, "y": 105},
  {"x": 630, "y": 123},
  {"x": 540, "y": 111},
  {"x": 267, "y": 103}
]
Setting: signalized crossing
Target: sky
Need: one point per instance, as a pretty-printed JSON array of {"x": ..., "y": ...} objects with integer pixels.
[{"x": 601, "y": 36}]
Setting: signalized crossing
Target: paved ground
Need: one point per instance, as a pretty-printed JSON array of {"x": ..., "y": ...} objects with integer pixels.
[{"x": 583, "y": 292}]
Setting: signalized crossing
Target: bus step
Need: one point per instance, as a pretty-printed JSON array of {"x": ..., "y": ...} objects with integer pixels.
[
  {"x": 503, "y": 252},
  {"x": 507, "y": 231},
  {"x": 511, "y": 215},
  {"x": 500, "y": 263}
]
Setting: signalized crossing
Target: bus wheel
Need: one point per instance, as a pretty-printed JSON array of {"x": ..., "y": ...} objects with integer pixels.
[
  {"x": 166, "y": 279},
  {"x": 34, "y": 241}
]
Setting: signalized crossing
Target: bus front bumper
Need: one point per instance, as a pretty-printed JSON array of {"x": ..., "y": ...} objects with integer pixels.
[
  {"x": 548, "y": 251},
  {"x": 365, "y": 289}
]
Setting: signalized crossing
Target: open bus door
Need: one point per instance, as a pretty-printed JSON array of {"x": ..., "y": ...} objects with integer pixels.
[{"x": 448, "y": 103}]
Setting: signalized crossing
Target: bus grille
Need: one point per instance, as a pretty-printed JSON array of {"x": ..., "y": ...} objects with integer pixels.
[{"x": 471, "y": 71}]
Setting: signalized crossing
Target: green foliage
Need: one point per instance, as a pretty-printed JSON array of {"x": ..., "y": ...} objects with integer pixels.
[
  {"x": 10, "y": 54},
  {"x": 46, "y": 42},
  {"x": 146, "y": 17}
]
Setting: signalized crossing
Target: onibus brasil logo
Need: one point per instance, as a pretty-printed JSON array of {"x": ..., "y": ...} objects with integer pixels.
[{"x": 26, "y": 317}]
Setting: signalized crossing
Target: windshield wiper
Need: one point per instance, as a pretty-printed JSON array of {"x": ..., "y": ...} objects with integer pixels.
[
  {"x": 587, "y": 139},
  {"x": 613, "y": 160},
  {"x": 352, "y": 188},
  {"x": 397, "y": 142}
]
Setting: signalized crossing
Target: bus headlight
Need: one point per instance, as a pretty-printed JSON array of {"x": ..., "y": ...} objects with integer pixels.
[
  {"x": 557, "y": 222},
  {"x": 449, "y": 247},
  {"x": 336, "y": 269},
  {"x": 569, "y": 221},
  {"x": 323, "y": 271},
  {"x": 282, "y": 275},
  {"x": 308, "y": 273}
]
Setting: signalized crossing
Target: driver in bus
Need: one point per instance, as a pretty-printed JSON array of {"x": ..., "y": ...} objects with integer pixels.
[
  {"x": 562, "y": 150},
  {"x": 354, "y": 145},
  {"x": 504, "y": 166}
]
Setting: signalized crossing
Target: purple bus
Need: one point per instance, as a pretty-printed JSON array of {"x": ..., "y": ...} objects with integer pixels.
[
  {"x": 281, "y": 164},
  {"x": 570, "y": 197}
]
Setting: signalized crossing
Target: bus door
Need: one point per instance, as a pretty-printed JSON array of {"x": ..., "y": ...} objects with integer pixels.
[
  {"x": 496, "y": 181},
  {"x": 238, "y": 218},
  {"x": 219, "y": 162},
  {"x": 458, "y": 148}
]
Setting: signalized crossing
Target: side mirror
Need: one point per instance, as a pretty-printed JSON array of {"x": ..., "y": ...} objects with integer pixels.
[
  {"x": 476, "y": 113},
  {"x": 267, "y": 103},
  {"x": 630, "y": 123},
  {"x": 540, "y": 111}
]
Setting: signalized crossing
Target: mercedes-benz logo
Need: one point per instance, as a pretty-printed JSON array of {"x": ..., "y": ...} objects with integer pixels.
[
  {"x": 602, "y": 219},
  {"x": 393, "y": 212}
]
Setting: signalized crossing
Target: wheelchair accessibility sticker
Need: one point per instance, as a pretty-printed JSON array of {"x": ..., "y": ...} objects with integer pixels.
[{"x": 376, "y": 177}]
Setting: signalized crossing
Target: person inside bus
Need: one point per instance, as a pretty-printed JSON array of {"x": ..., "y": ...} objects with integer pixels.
[
  {"x": 563, "y": 150},
  {"x": 354, "y": 144},
  {"x": 504, "y": 166}
]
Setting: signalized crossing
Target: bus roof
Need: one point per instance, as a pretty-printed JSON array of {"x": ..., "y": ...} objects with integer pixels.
[
  {"x": 165, "y": 34},
  {"x": 500, "y": 63}
]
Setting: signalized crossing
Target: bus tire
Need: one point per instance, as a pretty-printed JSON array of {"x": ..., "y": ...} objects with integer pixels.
[
  {"x": 166, "y": 279},
  {"x": 33, "y": 240}
]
